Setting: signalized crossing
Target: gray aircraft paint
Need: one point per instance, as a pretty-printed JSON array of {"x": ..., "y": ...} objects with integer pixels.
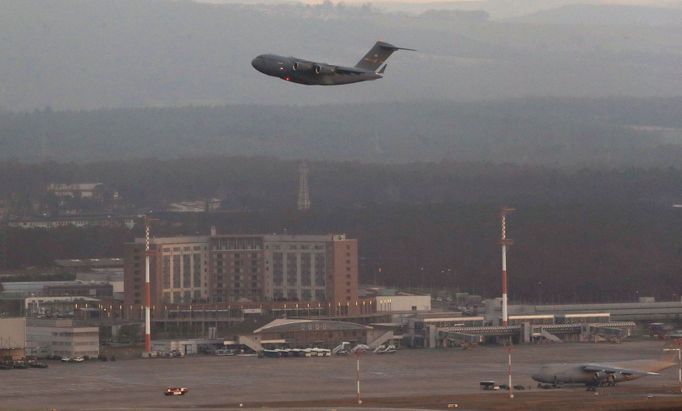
[
  {"x": 309, "y": 72},
  {"x": 598, "y": 374}
]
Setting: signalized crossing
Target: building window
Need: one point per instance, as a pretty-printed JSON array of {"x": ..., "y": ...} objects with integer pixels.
[
  {"x": 186, "y": 271},
  {"x": 166, "y": 271},
  {"x": 176, "y": 272}
]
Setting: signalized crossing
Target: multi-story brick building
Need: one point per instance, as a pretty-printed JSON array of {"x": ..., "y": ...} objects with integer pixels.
[
  {"x": 234, "y": 268},
  {"x": 178, "y": 270}
]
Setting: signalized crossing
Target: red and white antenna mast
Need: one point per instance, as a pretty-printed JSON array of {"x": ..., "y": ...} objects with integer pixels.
[
  {"x": 147, "y": 288},
  {"x": 505, "y": 242}
]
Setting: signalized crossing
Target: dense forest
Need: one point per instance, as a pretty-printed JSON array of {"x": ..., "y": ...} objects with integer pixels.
[
  {"x": 581, "y": 235},
  {"x": 573, "y": 133},
  {"x": 259, "y": 183}
]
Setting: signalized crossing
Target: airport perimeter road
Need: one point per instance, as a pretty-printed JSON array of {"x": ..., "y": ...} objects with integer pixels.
[{"x": 410, "y": 378}]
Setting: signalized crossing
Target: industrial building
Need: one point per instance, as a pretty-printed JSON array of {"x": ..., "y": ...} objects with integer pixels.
[
  {"x": 23, "y": 289},
  {"x": 245, "y": 268},
  {"x": 403, "y": 303},
  {"x": 78, "y": 190},
  {"x": 61, "y": 337},
  {"x": 12, "y": 338}
]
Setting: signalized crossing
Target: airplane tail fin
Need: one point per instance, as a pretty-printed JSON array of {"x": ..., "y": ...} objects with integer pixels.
[{"x": 376, "y": 56}]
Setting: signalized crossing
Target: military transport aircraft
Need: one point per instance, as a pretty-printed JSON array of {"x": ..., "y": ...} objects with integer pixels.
[
  {"x": 593, "y": 375},
  {"x": 322, "y": 74}
]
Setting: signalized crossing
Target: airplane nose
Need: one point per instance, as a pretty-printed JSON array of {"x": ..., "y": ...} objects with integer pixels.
[{"x": 258, "y": 63}]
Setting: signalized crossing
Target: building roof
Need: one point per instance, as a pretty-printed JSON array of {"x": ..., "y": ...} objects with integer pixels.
[
  {"x": 73, "y": 187},
  {"x": 287, "y": 325},
  {"x": 37, "y": 288},
  {"x": 180, "y": 240},
  {"x": 91, "y": 262}
]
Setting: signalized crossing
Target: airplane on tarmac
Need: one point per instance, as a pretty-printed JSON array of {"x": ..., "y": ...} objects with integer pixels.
[
  {"x": 593, "y": 375},
  {"x": 322, "y": 74}
]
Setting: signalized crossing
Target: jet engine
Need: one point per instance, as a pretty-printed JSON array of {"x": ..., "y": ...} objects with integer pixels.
[
  {"x": 323, "y": 69},
  {"x": 302, "y": 66}
]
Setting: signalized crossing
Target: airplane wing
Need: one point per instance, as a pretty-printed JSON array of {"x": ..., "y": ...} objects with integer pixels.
[{"x": 615, "y": 370}]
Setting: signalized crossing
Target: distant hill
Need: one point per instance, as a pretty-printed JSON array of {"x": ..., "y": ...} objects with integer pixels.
[{"x": 598, "y": 15}]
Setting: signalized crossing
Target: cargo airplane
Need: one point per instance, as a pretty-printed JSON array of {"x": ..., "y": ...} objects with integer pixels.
[
  {"x": 308, "y": 72},
  {"x": 593, "y": 375}
]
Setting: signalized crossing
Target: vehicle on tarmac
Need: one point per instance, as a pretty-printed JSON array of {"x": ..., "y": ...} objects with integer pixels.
[
  {"x": 173, "y": 391},
  {"x": 36, "y": 364},
  {"x": 386, "y": 349},
  {"x": 489, "y": 386},
  {"x": 73, "y": 359},
  {"x": 20, "y": 365}
]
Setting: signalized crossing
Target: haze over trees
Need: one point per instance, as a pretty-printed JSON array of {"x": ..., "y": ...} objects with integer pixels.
[{"x": 549, "y": 131}]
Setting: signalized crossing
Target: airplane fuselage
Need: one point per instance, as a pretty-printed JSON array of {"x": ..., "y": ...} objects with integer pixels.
[
  {"x": 592, "y": 374},
  {"x": 309, "y": 72},
  {"x": 575, "y": 374}
]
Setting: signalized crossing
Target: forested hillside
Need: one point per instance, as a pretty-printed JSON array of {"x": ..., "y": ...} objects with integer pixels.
[{"x": 552, "y": 132}]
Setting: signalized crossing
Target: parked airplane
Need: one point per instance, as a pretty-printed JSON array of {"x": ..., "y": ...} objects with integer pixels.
[
  {"x": 322, "y": 74},
  {"x": 593, "y": 375}
]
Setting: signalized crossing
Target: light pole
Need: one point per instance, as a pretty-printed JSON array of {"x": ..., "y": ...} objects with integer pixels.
[
  {"x": 358, "y": 350},
  {"x": 679, "y": 361}
]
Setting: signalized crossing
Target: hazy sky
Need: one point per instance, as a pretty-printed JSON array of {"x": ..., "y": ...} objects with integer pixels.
[
  {"x": 549, "y": 3},
  {"x": 74, "y": 54}
]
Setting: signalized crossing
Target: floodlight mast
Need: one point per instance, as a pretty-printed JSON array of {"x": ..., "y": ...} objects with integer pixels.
[{"x": 679, "y": 362}]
